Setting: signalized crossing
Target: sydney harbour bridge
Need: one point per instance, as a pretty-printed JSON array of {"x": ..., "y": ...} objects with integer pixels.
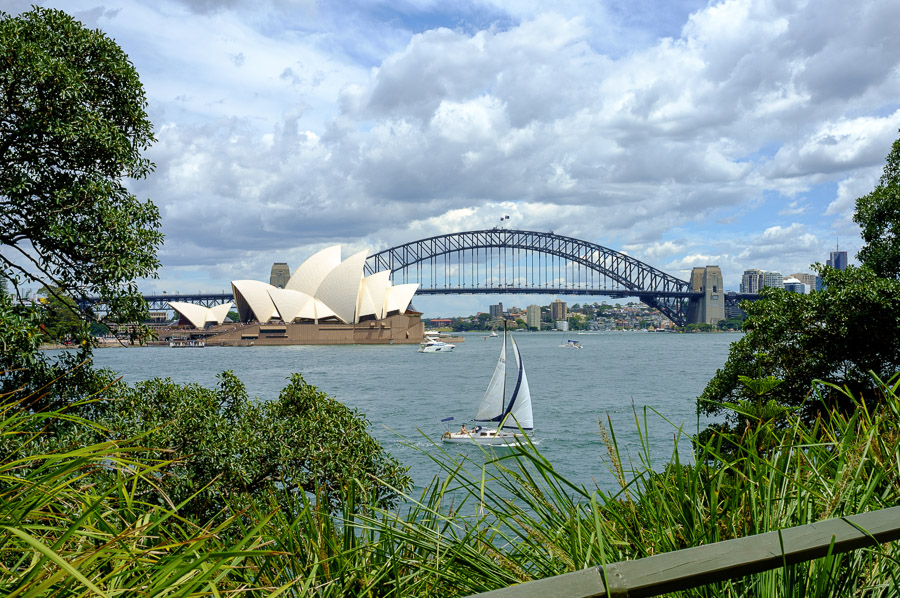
[{"x": 502, "y": 261}]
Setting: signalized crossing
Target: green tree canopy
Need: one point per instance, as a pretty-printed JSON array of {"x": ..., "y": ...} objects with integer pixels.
[
  {"x": 73, "y": 125},
  {"x": 837, "y": 334},
  {"x": 878, "y": 213}
]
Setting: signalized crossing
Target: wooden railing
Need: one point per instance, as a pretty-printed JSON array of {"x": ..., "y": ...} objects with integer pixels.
[{"x": 694, "y": 567}]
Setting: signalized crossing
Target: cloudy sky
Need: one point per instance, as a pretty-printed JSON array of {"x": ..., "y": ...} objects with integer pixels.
[{"x": 682, "y": 132}]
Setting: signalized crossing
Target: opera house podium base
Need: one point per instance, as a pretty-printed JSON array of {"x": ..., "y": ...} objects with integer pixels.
[{"x": 396, "y": 329}]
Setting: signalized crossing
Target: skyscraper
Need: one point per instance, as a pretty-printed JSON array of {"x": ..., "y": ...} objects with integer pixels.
[
  {"x": 837, "y": 259},
  {"x": 533, "y": 317}
]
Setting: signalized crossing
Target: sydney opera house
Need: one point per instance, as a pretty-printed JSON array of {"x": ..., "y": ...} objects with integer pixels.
[{"x": 327, "y": 300}]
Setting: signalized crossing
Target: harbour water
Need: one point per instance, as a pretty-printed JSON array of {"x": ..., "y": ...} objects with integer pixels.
[{"x": 404, "y": 394}]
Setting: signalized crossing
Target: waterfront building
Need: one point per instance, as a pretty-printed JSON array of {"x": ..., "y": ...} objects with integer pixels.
[
  {"x": 562, "y": 325},
  {"x": 159, "y": 317},
  {"x": 496, "y": 311},
  {"x": 751, "y": 281},
  {"x": 324, "y": 288},
  {"x": 795, "y": 286},
  {"x": 280, "y": 275},
  {"x": 807, "y": 279},
  {"x": 326, "y": 301},
  {"x": 558, "y": 311},
  {"x": 533, "y": 317}
]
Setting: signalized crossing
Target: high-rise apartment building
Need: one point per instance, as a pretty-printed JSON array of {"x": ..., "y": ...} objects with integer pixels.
[
  {"x": 751, "y": 281},
  {"x": 558, "y": 311},
  {"x": 280, "y": 275},
  {"x": 496, "y": 311},
  {"x": 533, "y": 316},
  {"x": 773, "y": 279}
]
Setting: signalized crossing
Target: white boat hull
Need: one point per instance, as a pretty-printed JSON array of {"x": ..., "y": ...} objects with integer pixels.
[
  {"x": 486, "y": 437},
  {"x": 437, "y": 348}
]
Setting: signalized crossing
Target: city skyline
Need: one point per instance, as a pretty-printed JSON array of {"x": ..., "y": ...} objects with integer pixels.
[{"x": 735, "y": 133}]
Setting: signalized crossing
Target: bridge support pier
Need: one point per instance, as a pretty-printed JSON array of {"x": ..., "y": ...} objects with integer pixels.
[{"x": 710, "y": 308}]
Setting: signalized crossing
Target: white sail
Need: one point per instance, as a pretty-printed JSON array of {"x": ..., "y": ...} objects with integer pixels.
[
  {"x": 491, "y": 407},
  {"x": 520, "y": 403}
]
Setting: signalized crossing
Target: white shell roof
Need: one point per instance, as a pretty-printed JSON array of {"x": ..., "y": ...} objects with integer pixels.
[
  {"x": 340, "y": 288},
  {"x": 290, "y": 304},
  {"x": 253, "y": 296},
  {"x": 372, "y": 293},
  {"x": 195, "y": 314},
  {"x": 198, "y": 315},
  {"x": 310, "y": 274},
  {"x": 322, "y": 311},
  {"x": 399, "y": 297},
  {"x": 322, "y": 287},
  {"x": 218, "y": 313}
]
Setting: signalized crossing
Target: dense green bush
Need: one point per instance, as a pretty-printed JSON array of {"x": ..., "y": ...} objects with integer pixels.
[{"x": 228, "y": 450}]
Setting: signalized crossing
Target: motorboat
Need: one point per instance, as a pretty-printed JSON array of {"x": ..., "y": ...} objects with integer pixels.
[
  {"x": 513, "y": 419},
  {"x": 570, "y": 344},
  {"x": 435, "y": 345}
]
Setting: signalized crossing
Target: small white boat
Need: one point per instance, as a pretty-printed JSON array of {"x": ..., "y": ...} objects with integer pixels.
[
  {"x": 433, "y": 345},
  {"x": 178, "y": 344},
  {"x": 512, "y": 419},
  {"x": 494, "y": 334},
  {"x": 570, "y": 344}
]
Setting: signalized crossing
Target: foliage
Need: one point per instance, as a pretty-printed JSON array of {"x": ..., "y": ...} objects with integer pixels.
[
  {"x": 878, "y": 213},
  {"x": 228, "y": 449},
  {"x": 51, "y": 382},
  {"x": 60, "y": 317},
  {"x": 732, "y": 323},
  {"x": 837, "y": 334},
  {"x": 577, "y": 322},
  {"x": 63, "y": 534},
  {"x": 79, "y": 523},
  {"x": 73, "y": 124}
]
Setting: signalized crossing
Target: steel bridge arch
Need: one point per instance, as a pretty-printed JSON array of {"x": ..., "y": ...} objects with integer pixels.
[{"x": 652, "y": 286}]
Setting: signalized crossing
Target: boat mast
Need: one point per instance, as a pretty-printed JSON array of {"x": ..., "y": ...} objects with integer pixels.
[{"x": 503, "y": 402}]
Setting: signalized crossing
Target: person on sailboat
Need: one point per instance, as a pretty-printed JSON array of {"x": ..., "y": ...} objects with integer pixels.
[{"x": 463, "y": 430}]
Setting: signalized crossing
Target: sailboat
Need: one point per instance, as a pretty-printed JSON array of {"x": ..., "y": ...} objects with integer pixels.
[{"x": 513, "y": 418}]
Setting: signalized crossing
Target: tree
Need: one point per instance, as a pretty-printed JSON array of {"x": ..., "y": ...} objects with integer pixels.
[
  {"x": 60, "y": 319},
  {"x": 73, "y": 125},
  {"x": 837, "y": 335},
  {"x": 230, "y": 450},
  {"x": 878, "y": 213}
]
